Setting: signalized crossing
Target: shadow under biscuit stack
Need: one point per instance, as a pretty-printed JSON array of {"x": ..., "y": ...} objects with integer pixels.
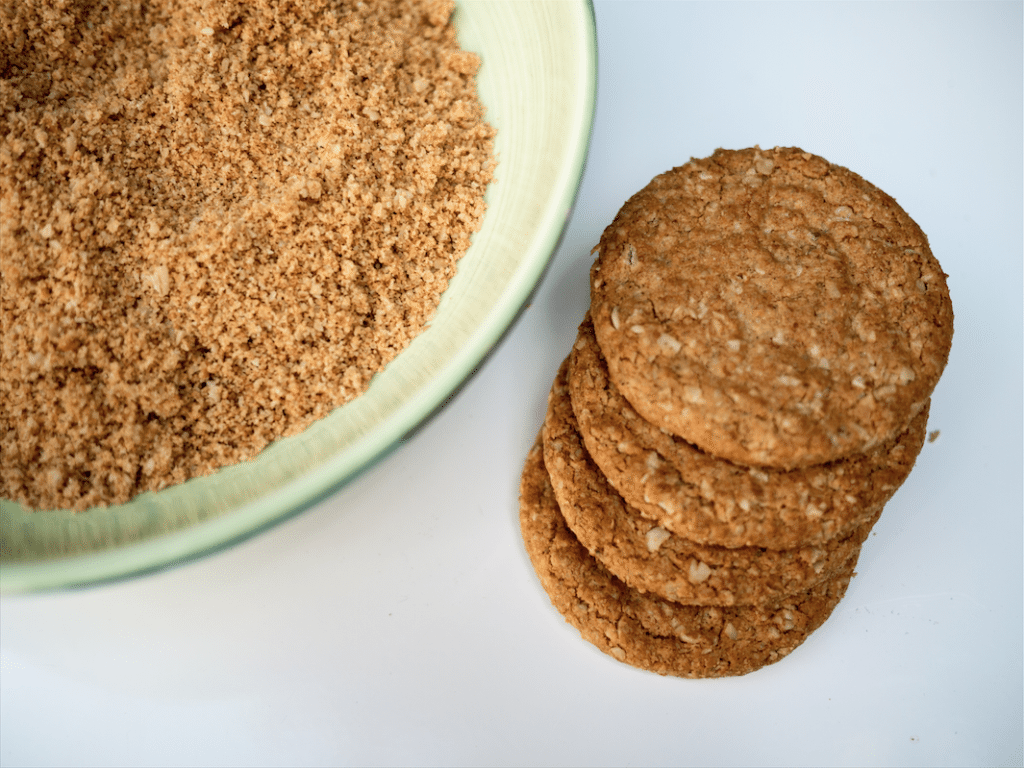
[{"x": 749, "y": 389}]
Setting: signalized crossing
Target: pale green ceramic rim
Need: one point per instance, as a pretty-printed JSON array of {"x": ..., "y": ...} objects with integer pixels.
[{"x": 538, "y": 82}]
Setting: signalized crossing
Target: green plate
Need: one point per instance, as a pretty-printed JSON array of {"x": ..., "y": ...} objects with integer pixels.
[{"x": 538, "y": 82}]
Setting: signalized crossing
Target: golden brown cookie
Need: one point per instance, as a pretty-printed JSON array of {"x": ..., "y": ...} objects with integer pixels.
[
  {"x": 649, "y": 632},
  {"x": 771, "y": 308},
  {"x": 650, "y": 558},
  {"x": 714, "y": 501}
]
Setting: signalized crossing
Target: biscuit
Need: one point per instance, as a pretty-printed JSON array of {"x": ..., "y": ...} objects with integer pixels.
[
  {"x": 651, "y": 559},
  {"x": 771, "y": 308},
  {"x": 713, "y": 501},
  {"x": 649, "y": 632}
]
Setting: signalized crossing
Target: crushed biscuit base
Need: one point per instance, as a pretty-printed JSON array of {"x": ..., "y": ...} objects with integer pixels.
[{"x": 217, "y": 222}]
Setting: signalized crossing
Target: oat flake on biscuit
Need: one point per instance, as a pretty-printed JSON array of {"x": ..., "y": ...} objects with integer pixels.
[{"x": 770, "y": 307}]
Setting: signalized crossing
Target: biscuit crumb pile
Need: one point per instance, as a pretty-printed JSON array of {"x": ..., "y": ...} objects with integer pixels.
[
  {"x": 749, "y": 389},
  {"x": 217, "y": 222}
]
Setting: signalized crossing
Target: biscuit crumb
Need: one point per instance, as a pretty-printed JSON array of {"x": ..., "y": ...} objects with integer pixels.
[
  {"x": 217, "y": 223},
  {"x": 933, "y": 436}
]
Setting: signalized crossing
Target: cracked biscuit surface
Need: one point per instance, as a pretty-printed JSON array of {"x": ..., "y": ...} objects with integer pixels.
[
  {"x": 771, "y": 308},
  {"x": 650, "y": 558},
  {"x": 714, "y": 501},
  {"x": 648, "y": 632}
]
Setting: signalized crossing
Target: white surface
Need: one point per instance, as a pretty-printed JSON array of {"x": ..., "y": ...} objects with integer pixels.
[{"x": 399, "y": 622}]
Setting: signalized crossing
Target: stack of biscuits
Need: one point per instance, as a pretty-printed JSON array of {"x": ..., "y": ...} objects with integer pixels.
[{"x": 749, "y": 388}]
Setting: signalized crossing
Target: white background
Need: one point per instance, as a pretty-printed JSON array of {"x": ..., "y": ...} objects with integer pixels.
[{"x": 399, "y": 621}]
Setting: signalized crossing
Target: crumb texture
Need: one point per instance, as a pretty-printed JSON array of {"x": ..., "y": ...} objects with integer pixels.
[{"x": 217, "y": 222}]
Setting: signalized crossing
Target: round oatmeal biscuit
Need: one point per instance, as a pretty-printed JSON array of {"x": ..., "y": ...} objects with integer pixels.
[
  {"x": 771, "y": 308},
  {"x": 649, "y": 632},
  {"x": 703, "y": 498},
  {"x": 650, "y": 558}
]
